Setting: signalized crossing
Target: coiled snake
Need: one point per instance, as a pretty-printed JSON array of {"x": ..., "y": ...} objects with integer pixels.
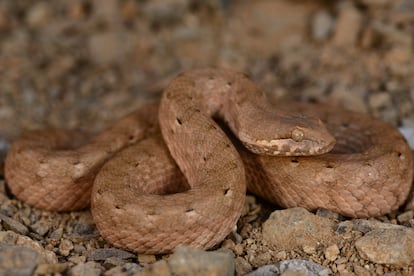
[{"x": 142, "y": 202}]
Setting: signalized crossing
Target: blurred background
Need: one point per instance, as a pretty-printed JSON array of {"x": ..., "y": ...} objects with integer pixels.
[{"x": 85, "y": 63}]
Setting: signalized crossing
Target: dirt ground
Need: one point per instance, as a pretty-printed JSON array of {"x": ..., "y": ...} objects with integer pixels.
[{"x": 85, "y": 63}]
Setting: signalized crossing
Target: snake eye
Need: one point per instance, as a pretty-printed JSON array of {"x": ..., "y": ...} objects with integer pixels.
[{"x": 297, "y": 135}]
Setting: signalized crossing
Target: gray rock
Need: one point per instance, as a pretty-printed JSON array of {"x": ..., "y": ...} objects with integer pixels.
[
  {"x": 11, "y": 224},
  {"x": 189, "y": 261},
  {"x": 102, "y": 254},
  {"x": 84, "y": 229},
  {"x": 296, "y": 227},
  {"x": 292, "y": 267},
  {"x": 322, "y": 25},
  {"x": 364, "y": 226},
  {"x": 86, "y": 269},
  {"x": 17, "y": 260},
  {"x": 387, "y": 246}
]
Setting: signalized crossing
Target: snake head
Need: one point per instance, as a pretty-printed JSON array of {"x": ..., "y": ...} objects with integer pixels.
[{"x": 292, "y": 135}]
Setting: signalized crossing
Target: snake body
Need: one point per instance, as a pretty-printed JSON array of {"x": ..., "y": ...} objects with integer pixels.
[{"x": 149, "y": 196}]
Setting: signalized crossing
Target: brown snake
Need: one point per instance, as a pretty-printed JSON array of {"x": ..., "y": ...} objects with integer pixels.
[{"x": 142, "y": 202}]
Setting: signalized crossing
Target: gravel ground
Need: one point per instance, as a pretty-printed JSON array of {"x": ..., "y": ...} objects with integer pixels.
[{"x": 85, "y": 63}]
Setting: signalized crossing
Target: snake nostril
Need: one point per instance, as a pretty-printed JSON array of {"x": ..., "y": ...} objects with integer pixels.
[
  {"x": 178, "y": 121},
  {"x": 132, "y": 138},
  {"x": 401, "y": 156},
  {"x": 227, "y": 191}
]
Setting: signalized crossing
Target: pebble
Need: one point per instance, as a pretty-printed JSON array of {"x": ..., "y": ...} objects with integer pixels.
[
  {"x": 146, "y": 258},
  {"x": 325, "y": 213},
  {"x": 296, "y": 227},
  {"x": 56, "y": 235},
  {"x": 403, "y": 12},
  {"x": 406, "y": 216},
  {"x": 11, "y": 224},
  {"x": 38, "y": 15},
  {"x": 391, "y": 33},
  {"x": 344, "y": 227},
  {"x": 387, "y": 246},
  {"x": 17, "y": 260},
  {"x": 364, "y": 226},
  {"x": 242, "y": 266},
  {"x": 332, "y": 252},
  {"x": 351, "y": 98},
  {"x": 348, "y": 26},
  {"x": 309, "y": 249},
  {"x": 189, "y": 261},
  {"x": 131, "y": 268},
  {"x": 113, "y": 262},
  {"x": 160, "y": 268},
  {"x": 292, "y": 267},
  {"x": 322, "y": 25},
  {"x": 110, "y": 47},
  {"x": 165, "y": 11},
  {"x": 86, "y": 269},
  {"x": 50, "y": 269},
  {"x": 107, "y": 10},
  {"x": 84, "y": 229},
  {"x": 4, "y": 20},
  {"x": 65, "y": 247},
  {"x": 121, "y": 271},
  {"x": 12, "y": 238},
  {"x": 77, "y": 259},
  {"x": 101, "y": 254},
  {"x": 238, "y": 249},
  {"x": 41, "y": 227},
  {"x": 399, "y": 60},
  {"x": 380, "y": 100}
]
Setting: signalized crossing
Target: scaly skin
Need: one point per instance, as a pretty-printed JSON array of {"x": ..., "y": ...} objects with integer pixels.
[{"x": 141, "y": 201}]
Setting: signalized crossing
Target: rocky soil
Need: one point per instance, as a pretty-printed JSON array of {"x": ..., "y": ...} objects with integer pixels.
[{"x": 85, "y": 63}]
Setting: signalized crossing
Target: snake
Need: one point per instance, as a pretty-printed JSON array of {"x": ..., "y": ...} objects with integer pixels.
[{"x": 176, "y": 172}]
